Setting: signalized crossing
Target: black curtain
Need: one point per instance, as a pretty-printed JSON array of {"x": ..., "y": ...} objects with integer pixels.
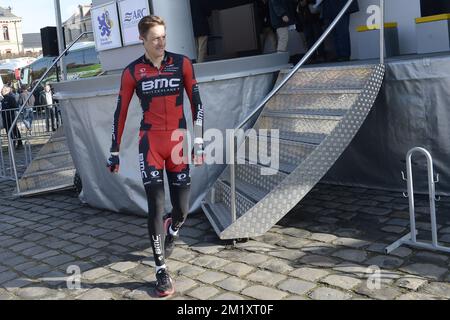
[{"x": 432, "y": 7}]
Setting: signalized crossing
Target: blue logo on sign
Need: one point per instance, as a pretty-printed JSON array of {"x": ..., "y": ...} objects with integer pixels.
[
  {"x": 135, "y": 15},
  {"x": 105, "y": 24}
]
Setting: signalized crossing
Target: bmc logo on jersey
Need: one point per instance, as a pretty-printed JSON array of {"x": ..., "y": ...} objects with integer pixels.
[{"x": 160, "y": 84}]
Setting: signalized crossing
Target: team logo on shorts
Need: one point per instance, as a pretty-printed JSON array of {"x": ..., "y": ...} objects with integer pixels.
[
  {"x": 155, "y": 174},
  {"x": 182, "y": 176}
]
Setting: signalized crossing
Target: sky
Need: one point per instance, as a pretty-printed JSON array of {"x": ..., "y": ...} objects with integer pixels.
[{"x": 37, "y": 14}]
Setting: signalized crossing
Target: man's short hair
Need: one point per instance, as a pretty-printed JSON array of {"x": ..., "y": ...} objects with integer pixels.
[{"x": 149, "y": 22}]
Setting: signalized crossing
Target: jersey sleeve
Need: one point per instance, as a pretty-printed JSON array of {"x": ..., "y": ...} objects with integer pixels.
[
  {"x": 193, "y": 93},
  {"x": 127, "y": 87}
]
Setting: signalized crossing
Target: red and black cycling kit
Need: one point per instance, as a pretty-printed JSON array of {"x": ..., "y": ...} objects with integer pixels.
[{"x": 160, "y": 92}]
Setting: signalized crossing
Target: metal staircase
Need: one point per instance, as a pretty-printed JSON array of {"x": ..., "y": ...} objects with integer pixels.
[
  {"x": 52, "y": 168},
  {"x": 317, "y": 111}
]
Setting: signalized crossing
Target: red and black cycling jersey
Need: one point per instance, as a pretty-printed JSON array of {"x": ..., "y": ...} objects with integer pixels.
[{"x": 160, "y": 92}]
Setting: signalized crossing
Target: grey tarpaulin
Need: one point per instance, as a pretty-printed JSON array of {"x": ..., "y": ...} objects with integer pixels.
[
  {"x": 412, "y": 109},
  {"x": 229, "y": 91}
]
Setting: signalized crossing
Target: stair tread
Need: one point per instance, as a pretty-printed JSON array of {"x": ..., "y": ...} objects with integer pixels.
[
  {"x": 52, "y": 154},
  {"x": 320, "y": 91},
  {"x": 315, "y": 68},
  {"x": 45, "y": 190},
  {"x": 44, "y": 172},
  {"x": 304, "y": 115}
]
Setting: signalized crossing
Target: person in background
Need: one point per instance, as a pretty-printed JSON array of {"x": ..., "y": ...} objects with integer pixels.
[
  {"x": 46, "y": 99},
  {"x": 282, "y": 15},
  {"x": 341, "y": 33},
  {"x": 9, "y": 108},
  {"x": 268, "y": 38},
  {"x": 311, "y": 25},
  {"x": 200, "y": 11},
  {"x": 28, "y": 111}
]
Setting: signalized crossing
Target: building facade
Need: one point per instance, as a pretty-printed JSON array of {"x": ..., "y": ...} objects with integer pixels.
[
  {"x": 78, "y": 23},
  {"x": 11, "y": 39}
]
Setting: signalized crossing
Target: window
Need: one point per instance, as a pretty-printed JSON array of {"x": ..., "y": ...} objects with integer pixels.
[{"x": 5, "y": 33}]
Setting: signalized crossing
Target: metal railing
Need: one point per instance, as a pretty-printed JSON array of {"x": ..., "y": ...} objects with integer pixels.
[
  {"x": 277, "y": 88},
  {"x": 35, "y": 124},
  {"x": 411, "y": 238},
  {"x": 20, "y": 112}
]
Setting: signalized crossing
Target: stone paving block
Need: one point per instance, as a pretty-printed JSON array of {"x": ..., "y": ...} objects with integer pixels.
[
  {"x": 37, "y": 270},
  {"x": 184, "y": 284},
  {"x": 190, "y": 271},
  {"x": 22, "y": 246},
  {"x": 203, "y": 293},
  {"x": 287, "y": 254},
  {"x": 329, "y": 294},
  {"x": 4, "y": 295},
  {"x": 10, "y": 242},
  {"x": 439, "y": 289},
  {"x": 211, "y": 277},
  {"x": 94, "y": 274},
  {"x": 293, "y": 243},
  {"x": 341, "y": 281},
  {"x": 266, "y": 278},
  {"x": 394, "y": 229},
  {"x": 232, "y": 284},
  {"x": 425, "y": 270},
  {"x": 95, "y": 294},
  {"x": 99, "y": 244},
  {"x": 15, "y": 284},
  {"x": 309, "y": 274},
  {"x": 228, "y": 296},
  {"x": 317, "y": 261},
  {"x": 323, "y": 237},
  {"x": 255, "y": 246},
  {"x": 123, "y": 266},
  {"x": 206, "y": 248},
  {"x": 277, "y": 266},
  {"x": 264, "y": 293},
  {"x": 32, "y": 293},
  {"x": 34, "y": 251},
  {"x": 14, "y": 261},
  {"x": 351, "y": 255},
  {"x": 270, "y": 238},
  {"x": 383, "y": 293},
  {"x": 350, "y": 242},
  {"x": 182, "y": 255},
  {"x": 410, "y": 296},
  {"x": 191, "y": 232},
  {"x": 85, "y": 253},
  {"x": 237, "y": 269},
  {"x": 210, "y": 262},
  {"x": 384, "y": 261},
  {"x": 402, "y": 252},
  {"x": 296, "y": 286},
  {"x": 58, "y": 260},
  {"x": 410, "y": 282},
  {"x": 254, "y": 259},
  {"x": 319, "y": 248},
  {"x": 430, "y": 257}
]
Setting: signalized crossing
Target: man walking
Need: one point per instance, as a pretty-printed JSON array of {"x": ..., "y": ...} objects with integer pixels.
[{"x": 159, "y": 79}]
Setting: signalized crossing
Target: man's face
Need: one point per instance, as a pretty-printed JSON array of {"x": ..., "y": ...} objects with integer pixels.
[
  {"x": 47, "y": 88},
  {"x": 155, "y": 41}
]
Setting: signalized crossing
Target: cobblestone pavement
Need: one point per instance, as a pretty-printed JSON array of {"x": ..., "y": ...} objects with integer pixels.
[{"x": 324, "y": 249}]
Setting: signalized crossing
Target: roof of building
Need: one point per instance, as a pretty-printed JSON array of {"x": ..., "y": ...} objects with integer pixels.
[
  {"x": 5, "y": 13},
  {"x": 32, "y": 40}
]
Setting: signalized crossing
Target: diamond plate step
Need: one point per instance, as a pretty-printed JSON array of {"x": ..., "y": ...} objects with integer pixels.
[
  {"x": 46, "y": 179},
  {"x": 334, "y": 77},
  {"x": 317, "y": 100},
  {"x": 290, "y": 153},
  {"x": 51, "y": 161},
  {"x": 55, "y": 145}
]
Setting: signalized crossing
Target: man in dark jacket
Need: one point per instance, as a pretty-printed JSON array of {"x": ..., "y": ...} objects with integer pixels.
[
  {"x": 9, "y": 108},
  {"x": 200, "y": 11},
  {"x": 282, "y": 15},
  {"x": 341, "y": 33},
  {"x": 311, "y": 25}
]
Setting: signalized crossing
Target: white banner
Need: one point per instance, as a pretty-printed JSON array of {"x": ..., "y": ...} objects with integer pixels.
[
  {"x": 105, "y": 23},
  {"x": 131, "y": 12}
]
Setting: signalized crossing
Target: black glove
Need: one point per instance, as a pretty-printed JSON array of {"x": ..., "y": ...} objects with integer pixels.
[{"x": 113, "y": 163}]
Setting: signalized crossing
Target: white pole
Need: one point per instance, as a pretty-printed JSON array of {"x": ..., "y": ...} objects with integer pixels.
[{"x": 59, "y": 31}]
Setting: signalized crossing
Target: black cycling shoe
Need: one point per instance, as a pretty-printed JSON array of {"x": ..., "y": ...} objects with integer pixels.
[
  {"x": 169, "y": 241},
  {"x": 164, "y": 284}
]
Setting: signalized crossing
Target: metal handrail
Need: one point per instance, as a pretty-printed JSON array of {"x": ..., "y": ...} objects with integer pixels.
[
  {"x": 286, "y": 79},
  {"x": 10, "y": 139}
]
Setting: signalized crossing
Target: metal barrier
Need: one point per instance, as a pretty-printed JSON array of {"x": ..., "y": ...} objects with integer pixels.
[
  {"x": 33, "y": 128},
  {"x": 23, "y": 109},
  {"x": 411, "y": 238}
]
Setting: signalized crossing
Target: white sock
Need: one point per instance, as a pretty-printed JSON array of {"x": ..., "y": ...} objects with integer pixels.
[
  {"x": 173, "y": 232},
  {"x": 159, "y": 268}
]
